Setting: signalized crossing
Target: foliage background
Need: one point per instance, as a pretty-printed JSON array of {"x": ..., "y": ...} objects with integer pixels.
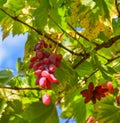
[{"x": 91, "y": 54}]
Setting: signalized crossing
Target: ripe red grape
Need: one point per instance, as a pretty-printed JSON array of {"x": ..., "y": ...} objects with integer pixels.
[
  {"x": 48, "y": 85},
  {"x": 46, "y": 99},
  {"x": 46, "y": 54},
  {"x": 58, "y": 57},
  {"x": 39, "y": 55},
  {"x": 53, "y": 79},
  {"x": 38, "y": 72},
  {"x": 52, "y": 68},
  {"x": 37, "y": 80},
  {"x": 31, "y": 65},
  {"x": 45, "y": 73},
  {"x": 52, "y": 59},
  {"x": 45, "y": 60},
  {"x": 42, "y": 82},
  {"x": 33, "y": 59}
]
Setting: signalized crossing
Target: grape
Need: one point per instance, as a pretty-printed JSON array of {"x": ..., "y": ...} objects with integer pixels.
[
  {"x": 53, "y": 79},
  {"x": 90, "y": 119},
  {"x": 48, "y": 84},
  {"x": 38, "y": 72},
  {"x": 37, "y": 81},
  {"x": 39, "y": 63},
  {"x": 110, "y": 87},
  {"x": 41, "y": 67},
  {"x": 37, "y": 47},
  {"x": 46, "y": 54},
  {"x": 36, "y": 65},
  {"x": 33, "y": 59},
  {"x": 42, "y": 44},
  {"x": 52, "y": 68},
  {"x": 45, "y": 60},
  {"x": 45, "y": 73},
  {"x": 46, "y": 99},
  {"x": 52, "y": 59},
  {"x": 42, "y": 82},
  {"x": 31, "y": 65},
  {"x": 39, "y": 55},
  {"x": 45, "y": 45},
  {"x": 59, "y": 57}
]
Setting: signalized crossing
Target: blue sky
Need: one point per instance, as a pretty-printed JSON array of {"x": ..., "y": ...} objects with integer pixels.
[{"x": 10, "y": 50}]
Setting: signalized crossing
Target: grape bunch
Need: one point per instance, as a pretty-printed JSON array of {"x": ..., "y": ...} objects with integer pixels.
[{"x": 44, "y": 64}]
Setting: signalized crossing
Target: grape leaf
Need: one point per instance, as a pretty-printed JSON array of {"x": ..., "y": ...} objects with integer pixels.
[
  {"x": 19, "y": 28},
  {"x": 2, "y": 2},
  {"x": 15, "y": 5},
  {"x": 66, "y": 76},
  {"x": 37, "y": 112},
  {"x": 74, "y": 106},
  {"x": 106, "y": 110},
  {"x": 5, "y": 75}
]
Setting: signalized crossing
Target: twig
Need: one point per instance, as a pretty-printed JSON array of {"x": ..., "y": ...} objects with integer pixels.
[
  {"x": 107, "y": 44},
  {"x": 81, "y": 34},
  {"x": 81, "y": 61},
  {"x": 20, "y": 88},
  {"x": 40, "y": 33},
  {"x": 103, "y": 45},
  {"x": 77, "y": 32}
]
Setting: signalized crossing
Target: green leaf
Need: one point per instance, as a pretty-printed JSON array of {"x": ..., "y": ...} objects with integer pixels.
[
  {"x": 116, "y": 26},
  {"x": 40, "y": 18},
  {"x": 106, "y": 110},
  {"x": 84, "y": 69},
  {"x": 55, "y": 16},
  {"x": 2, "y": 2},
  {"x": 19, "y": 66},
  {"x": 53, "y": 3},
  {"x": 67, "y": 77},
  {"x": 39, "y": 113},
  {"x": 36, "y": 112},
  {"x": 6, "y": 24},
  {"x": 74, "y": 106},
  {"x": 5, "y": 75},
  {"x": 19, "y": 28},
  {"x": 12, "y": 113},
  {"x": 15, "y": 5},
  {"x": 2, "y": 16}
]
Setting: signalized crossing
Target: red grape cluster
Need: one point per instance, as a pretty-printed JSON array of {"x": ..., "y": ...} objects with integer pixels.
[
  {"x": 44, "y": 64},
  {"x": 98, "y": 92}
]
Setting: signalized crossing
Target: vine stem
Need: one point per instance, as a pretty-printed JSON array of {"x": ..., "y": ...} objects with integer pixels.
[
  {"x": 107, "y": 44},
  {"x": 20, "y": 88},
  {"x": 15, "y": 18},
  {"x": 81, "y": 34}
]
